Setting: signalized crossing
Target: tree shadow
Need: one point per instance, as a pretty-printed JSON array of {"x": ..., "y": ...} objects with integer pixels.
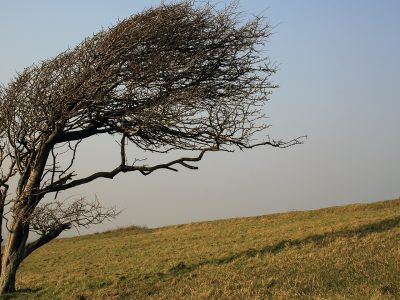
[
  {"x": 319, "y": 239},
  {"x": 20, "y": 293}
]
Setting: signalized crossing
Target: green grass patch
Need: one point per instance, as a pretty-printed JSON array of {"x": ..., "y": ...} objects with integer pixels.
[{"x": 348, "y": 252}]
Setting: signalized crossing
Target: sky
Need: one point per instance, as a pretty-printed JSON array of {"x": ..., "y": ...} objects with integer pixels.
[{"x": 339, "y": 73}]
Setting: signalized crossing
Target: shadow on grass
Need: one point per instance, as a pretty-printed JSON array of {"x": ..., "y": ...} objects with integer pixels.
[
  {"x": 20, "y": 293},
  {"x": 319, "y": 239}
]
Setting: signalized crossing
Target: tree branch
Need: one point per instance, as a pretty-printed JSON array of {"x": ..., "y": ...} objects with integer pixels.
[
  {"x": 80, "y": 134},
  {"x": 44, "y": 239},
  {"x": 145, "y": 170}
]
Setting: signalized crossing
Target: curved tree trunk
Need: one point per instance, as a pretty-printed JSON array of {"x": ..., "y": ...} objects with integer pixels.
[{"x": 13, "y": 256}]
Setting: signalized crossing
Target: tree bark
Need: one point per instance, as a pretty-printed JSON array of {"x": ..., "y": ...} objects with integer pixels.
[
  {"x": 13, "y": 255},
  {"x": 2, "y": 201}
]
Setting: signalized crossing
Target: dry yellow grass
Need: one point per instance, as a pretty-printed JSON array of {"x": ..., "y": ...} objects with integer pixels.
[{"x": 349, "y": 252}]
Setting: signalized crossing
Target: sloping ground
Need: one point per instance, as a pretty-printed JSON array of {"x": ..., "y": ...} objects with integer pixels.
[{"x": 349, "y": 252}]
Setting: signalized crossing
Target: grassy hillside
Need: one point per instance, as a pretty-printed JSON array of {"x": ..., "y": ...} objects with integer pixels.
[{"x": 349, "y": 252}]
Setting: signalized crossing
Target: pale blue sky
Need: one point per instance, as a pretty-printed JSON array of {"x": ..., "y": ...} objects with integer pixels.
[{"x": 339, "y": 78}]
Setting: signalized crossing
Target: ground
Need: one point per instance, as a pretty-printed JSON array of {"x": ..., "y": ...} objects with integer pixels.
[{"x": 348, "y": 252}]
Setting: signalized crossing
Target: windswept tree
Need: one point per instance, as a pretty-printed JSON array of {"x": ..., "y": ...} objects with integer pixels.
[{"x": 179, "y": 76}]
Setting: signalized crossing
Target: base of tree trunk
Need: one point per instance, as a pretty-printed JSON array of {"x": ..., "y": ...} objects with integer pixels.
[{"x": 7, "y": 282}]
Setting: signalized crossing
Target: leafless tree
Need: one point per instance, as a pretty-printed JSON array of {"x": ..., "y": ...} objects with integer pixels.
[{"x": 180, "y": 76}]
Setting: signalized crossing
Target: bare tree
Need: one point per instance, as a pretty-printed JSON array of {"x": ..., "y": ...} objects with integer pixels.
[{"x": 180, "y": 76}]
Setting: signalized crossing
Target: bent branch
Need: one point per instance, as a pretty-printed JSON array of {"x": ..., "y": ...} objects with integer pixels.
[
  {"x": 145, "y": 170},
  {"x": 49, "y": 220},
  {"x": 44, "y": 239}
]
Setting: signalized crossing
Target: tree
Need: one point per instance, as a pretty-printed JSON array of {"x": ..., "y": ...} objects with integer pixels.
[{"x": 179, "y": 76}]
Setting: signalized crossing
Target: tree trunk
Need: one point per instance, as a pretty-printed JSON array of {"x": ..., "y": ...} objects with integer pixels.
[
  {"x": 2, "y": 201},
  {"x": 13, "y": 255}
]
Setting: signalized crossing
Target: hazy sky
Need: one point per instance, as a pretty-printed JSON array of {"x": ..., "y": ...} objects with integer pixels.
[{"x": 339, "y": 78}]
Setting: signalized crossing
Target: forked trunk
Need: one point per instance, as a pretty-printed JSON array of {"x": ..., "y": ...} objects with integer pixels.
[{"x": 14, "y": 252}]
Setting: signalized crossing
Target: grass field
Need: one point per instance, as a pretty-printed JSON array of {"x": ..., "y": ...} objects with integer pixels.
[{"x": 349, "y": 252}]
